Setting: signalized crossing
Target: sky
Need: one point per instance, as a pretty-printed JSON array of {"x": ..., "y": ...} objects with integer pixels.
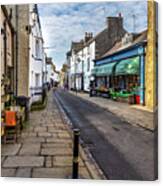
[{"x": 63, "y": 23}]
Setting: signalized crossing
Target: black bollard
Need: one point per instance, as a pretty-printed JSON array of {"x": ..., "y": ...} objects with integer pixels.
[{"x": 75, "y": 154}]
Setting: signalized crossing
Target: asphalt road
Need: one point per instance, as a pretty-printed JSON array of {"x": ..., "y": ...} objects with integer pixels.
[{"x": 123, "y": 151}]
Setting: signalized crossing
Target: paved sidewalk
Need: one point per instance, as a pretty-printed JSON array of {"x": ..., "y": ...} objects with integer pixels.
[
  {"x": 45, "y": 149},
  {"x": 130, "y": 113}
]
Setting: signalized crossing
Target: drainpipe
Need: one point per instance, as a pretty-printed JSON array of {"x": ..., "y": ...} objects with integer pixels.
[
  {"x": 12, "y": 52},
  {"x": 5, "y": 52},
  {"x": 16, "y": 64}
]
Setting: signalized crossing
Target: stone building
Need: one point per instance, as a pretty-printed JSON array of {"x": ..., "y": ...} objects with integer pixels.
[
  {"x": 109, "y": 36},
  {"x": 29, "y": 58},
  {"x": 7, "y": 55},
  {"x": 20, "y": 21}
]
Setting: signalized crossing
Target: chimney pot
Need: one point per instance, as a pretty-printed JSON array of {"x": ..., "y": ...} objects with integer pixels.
[{"x": 88, "y": 36}]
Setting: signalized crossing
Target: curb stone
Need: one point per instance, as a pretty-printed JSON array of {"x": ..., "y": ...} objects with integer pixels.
[{"x": 85, "y": 154}]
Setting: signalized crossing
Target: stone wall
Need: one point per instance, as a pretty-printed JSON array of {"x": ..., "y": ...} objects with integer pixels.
[
  {"x": 109, "y": 36},
  {"x": 6, "y": 54},
  {"x": 23, "y": 50},
  {"x": 20, "y": 21}
]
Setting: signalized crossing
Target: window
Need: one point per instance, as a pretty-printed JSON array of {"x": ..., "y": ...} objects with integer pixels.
[
  {"x": 37, "y": 80},
  {"x": 88, "y": 50},
  {"x": 82, "y": 66},
  {"x": 88, "y": 64},
  {"x": 37, "y": 48}
]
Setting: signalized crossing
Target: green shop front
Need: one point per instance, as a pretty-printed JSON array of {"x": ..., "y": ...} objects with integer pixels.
[{"x": 121, "y": 76}]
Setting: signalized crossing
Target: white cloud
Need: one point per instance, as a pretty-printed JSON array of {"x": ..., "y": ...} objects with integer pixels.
[{"x": 64, "y": 22}]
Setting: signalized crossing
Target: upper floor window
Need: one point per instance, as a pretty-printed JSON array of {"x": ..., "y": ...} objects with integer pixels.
[
  {"x": 37, "y": 80},
  {"x": 82, "y": 65},
  {"x": 88, "y": 64},
  {"x": 37, "y": 48},
  {"x": 88, "y": 50}
]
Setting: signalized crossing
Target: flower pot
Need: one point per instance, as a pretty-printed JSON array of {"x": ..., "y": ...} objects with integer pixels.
[{"x": 137, "y": 99}]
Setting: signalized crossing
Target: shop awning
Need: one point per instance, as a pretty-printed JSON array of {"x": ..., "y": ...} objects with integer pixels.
[
  {"x": 127, "y": 67},
  {"x": 103, "y": 70}
]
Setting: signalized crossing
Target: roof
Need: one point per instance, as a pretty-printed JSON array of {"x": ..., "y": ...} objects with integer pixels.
[
  {"x": 77, "y": 45},
  {"x": 95, "y": 37},
  {"x": 137, "y": 38}
]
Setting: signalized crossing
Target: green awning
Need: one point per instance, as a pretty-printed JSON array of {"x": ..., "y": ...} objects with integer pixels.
[
  {"x": 127, "y": 67},
  {"x": 103, "y": 70}
]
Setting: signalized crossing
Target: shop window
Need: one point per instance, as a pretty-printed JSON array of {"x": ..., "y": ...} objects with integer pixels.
[
  {"x": 108, "y": 82},
  {"x": 100, "y": 82}
]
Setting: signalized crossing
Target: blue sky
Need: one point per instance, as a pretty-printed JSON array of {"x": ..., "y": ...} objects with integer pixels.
[{"x": 65, "y": 22}]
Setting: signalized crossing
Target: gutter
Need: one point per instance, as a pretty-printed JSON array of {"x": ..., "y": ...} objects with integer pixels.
[{"x": 143, "y": 43}]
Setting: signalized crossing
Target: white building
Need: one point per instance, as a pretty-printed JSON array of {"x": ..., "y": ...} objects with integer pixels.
[
  {"x": 36, "y": 56},
  {"x": 44, "y": 69},
  {"x": 51, "y": 74},
  {"x": 80, "y": 60},
  {"x": 89, "y": 56}
]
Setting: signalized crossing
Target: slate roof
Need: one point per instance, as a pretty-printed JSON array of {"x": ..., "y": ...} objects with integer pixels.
[
  {"x": 77, "y": 45},
  {"x": 137, "y": 38}
]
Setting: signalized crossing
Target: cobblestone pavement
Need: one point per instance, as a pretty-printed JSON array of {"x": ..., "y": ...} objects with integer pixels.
[
  {"x": 45, "y": 149},
  {"x": 134, "y": 114}
]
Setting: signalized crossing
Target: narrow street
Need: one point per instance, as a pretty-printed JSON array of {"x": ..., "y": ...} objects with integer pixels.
[
  {"x": 44, "y": 149},
  {"x": 79, "y": 90},
  {"x": 121, "y": 150}
]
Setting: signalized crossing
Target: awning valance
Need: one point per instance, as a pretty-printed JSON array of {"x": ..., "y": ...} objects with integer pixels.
[
  {"x": 128, "y": 66},
  {"x": 103, "y": 70}
]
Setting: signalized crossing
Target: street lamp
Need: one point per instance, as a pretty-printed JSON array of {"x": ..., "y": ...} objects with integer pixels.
[{"x": 92, "y": 78}]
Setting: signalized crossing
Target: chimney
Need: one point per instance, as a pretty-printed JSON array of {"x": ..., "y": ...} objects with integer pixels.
[
  {"x": 115, "y": 27},
  {"x": 88, "y": 36},
  {"x": 115, "y": 22}
]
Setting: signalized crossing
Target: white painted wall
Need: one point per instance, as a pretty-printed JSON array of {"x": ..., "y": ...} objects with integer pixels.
[
  {"x": 89, "y": 54},
  {"x": 51, "y": 74},
  {"x": 86, "y": 54},
  {"x": 44, "y": 69},
  {"x": 72, "y": 70},
  {"x": 49, "y": 71},
  {"x": 37, "y": 59}
]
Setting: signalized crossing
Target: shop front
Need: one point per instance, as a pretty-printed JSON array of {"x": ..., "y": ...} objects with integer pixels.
[
  {"x": 103, "y": 78},
  {"x": 120, "y": 76}
]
